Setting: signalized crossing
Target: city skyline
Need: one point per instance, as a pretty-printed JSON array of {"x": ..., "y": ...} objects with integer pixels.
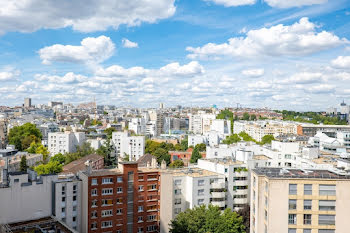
[{"x": 270, "y": 53}]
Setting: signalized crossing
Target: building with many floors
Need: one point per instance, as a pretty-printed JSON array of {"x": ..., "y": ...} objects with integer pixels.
[
  {"x": 125, "y": 144},
  {"x": 65, "y": 142}
]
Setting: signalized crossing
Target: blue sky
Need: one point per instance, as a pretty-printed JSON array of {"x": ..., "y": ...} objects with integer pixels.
[{"x": 274, "y": 53}]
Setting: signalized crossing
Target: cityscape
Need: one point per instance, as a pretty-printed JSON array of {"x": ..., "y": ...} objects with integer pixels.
[{"x": 174, "y": 116}]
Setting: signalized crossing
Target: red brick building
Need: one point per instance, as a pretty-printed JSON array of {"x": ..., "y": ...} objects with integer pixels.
[
  {"x": 185, "y": 156},
  {"x": 121, "y": 200}
]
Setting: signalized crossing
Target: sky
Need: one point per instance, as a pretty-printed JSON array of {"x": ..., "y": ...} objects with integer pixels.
[{"x": 279, "y": 54}]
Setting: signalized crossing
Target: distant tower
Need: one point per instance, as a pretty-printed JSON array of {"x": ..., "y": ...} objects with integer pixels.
[
  {"x": 161, "y": 105},
  {"x": 27, "y": 102}
]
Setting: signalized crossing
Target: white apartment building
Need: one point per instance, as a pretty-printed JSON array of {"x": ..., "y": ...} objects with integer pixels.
[
  {"x": 138, "y": 125},
  {"x": 331, "y": 145},
  {"x": 151, "y": 129},
  {"x": 193, "y": 140},
  {"x": 187, "y": 188},
  {"x": 158, "y": 118},
  {"x": 65, "y": 142},
  {"x": 201, "y": 122},
  {"x": 221, "y": 126},
  {"x": 134, "y": 146},
  {"x": 96, "y": 143}
]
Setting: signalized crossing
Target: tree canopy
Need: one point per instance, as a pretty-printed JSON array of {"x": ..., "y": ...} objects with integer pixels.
[
  {"x": 23, "y": 164},
  {"x": 22, "y": 136},
  {"x": 311, "y": 117},
  {"x": 267, "y": 139},
  {"x": 195, "y": 156},
  {"x": 201, "y": 147},
  {"x": 234, "y": 138},
  {"x": 202, "y": 219},
  {"x": 177, "y": 163}
]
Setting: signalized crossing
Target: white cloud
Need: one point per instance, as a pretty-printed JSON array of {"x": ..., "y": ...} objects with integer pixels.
[
  {"x": 192, "y": 68},
  {"x": 10, "y": 75},
  {"x": 342, "y": 62},
  {"x": 293, "y": 3},
  {"x": 298, "y": 39},
  {"x": 304, "y": 78},
  {"x": 81, "y": 15},
  {"x": 129, "y": 44},
  {"x": 67, "y": 78},
  {"x": 229, "y": 3},
  {"x": 254, "y": 73},
  {"x": 321, "y": 89},
  {"x": 93, "y": 50}
]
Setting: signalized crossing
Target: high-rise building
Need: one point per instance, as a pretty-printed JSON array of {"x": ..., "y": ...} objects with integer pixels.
[
  {"x": 299, "y": 201},
  {"x": 125, "y": 144},
  {"x": 27, "y": 102},
  {"x": 64, "y": 142}
]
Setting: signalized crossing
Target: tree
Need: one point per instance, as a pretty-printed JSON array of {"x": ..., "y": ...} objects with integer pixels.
[
  {"x": 246, "y": 116},
  {"x": 253, "y": 117},
  {"x": 28, "y": 140},
  {"x": 245, "y": 213},
  {"x": 234, "y": 138},
  {"x": 106, "y": 151},
  {"x": 23, "y": 164},
  {"x": 38, "y": 148},
  {"x": 227, "y": 115},
  {"x": 60, "y": 158},
  {"x": 201, "y": 147},
  {"x": 52, "y": 167},
  {"x": 126, "y": 157},
  {"x": 18, "y": 133},
  {"x": 195, "y": 156},
  {"x": 246, "y": 137},
  {"x": 162, "y": 154},
  {"x": 207, "y": 219},
  {"x": 109, "y": 132},
  {"x": 184, "y": 144},
  {"x": 151, "y": 146},
  {"x": 84, "y": 150},
  {"x": 177, "y": 163},
  {"x": 267, "y": 139}
]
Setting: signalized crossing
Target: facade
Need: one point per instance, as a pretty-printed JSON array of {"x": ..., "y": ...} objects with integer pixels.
[
  {"x": 221, "y": 126},
  {"x": 125, "y": 144},
  {"x": 330, "y": 130},
  {"x": 138, "y": 125},
  {"x": 185, "y": 156},
  {"x": 65, "y": 142},
  {"x": 299, "y": 201},
  {"x": 27, "y": 102},
  {"x": 120, "y": 200}
]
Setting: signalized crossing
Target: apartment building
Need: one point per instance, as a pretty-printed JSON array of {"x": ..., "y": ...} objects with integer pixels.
[
  {"x": 125, "y": 199},
  {"x": 187, "y": 188},
  {"x": 138, "y": 125},
  {"x": 125, "y": 144},
  {"x": 330, "y": 130},
  {"x": 299, "y": 201},
  {"x": 201, "y": 122},
  {"x": 65, "y": 142},
  {"x": 221, "y": 126}
]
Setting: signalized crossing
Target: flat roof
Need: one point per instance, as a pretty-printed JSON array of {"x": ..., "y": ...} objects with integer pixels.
[
  {"x": 224, "y": 161},
  {"x": 291, "y": 173},
  {"x": 192, "y": 172}
]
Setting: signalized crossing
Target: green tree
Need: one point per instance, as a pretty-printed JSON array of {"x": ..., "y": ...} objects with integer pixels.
[
  {"x": 19, "y": 133},
  {"x": 126, "y": 157},
  {"x": 253, "y": 117},
  {"x": 84, "y": 149},
  {"x": 52, "y": 167},
  {"x": 177, "y": 163},
  {"x": 162, "y": 154},
  {"x": 106, "y": 151},
  {"x": 227, "y": 115},
  {"x": 246, "y": 137},
  {"x": 234, "y": 138},
  {"x": 60, "y": 158},
  {"x": 267, "y": 139},
  {"x": 109, "y": 132},
  {"x": 23, "y": 164},
  {"x": 202, "y": 219},
  {"x": 184, "y": 144},
  {"x": 201, "y": 147},
  {"x": 195, "y": 156},
  {"x": 151, "y": 146},
  {"x": 38, "y": 148},
  {"x": 26, "y": 141},
  {"x": 246, "y": 116},
  {"x": 245, "y": 213}
]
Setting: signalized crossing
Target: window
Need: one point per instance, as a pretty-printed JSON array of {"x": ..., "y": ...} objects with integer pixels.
[
  {"x": 266, "y": 187},
  {"x": 177, "y": 191},
  {"x": 177, "y": 201},
  {"x": 106, "y": 202},
  {"x": 139, "y": 229},
  {"x": 326, "y": 231},
  {"x": 94, "y": 214},
  {"x": 324, "y": 219},
  {"x": 107, "y": 180},
  {"x": 292, "y": 204},
  {"x": 327, "y": 190},
  {"x": 292, "y": 230},
  {"x": 307, "y": 219},
  {"x": 292, "y": 219},
  {"x": 139, "y": 219},
  {"x": 94, "y": 226},
  {"x": 265, "y": 215},
  {"x": 63, "y": 199},
  {"x": 307, "y": 231},
  {"x": 177, "y": 210},
  {"x": 74, "y": 198},
  {"x": 200, "y": 182},
  {"x": 225, "y": 170},
  {"x": 200, "y": 201},
  {"x": 119, "y": 189},
  {"x": 292, "y": 189},
  {"x": 106, "y": 224},
  {"x": 140, "y": 188},
  {"x": 307, "y": 204},
  {"x": 151, "y": 218},
  {"x": 140, "y": 177},
  {"x": 151, "y": 228},
  {"x": 94, "y": 203},
  {"x": 119, "y": 179},
  {"x": 106, "y": 213},
  {"x": 108, "y": 191},
  {"x": 74, "y": 189},
  {"x": 266, "y": 202},
  {"x": 63, "y": 190},
  {"x": 119, "y": 231},
  {"x": 177, "y": 182},
  {"x": 200, "y": 192},
  {"x": 140, "y": 208},
  {"x": 119, "y": 201},
  {"x": 326, "y": 205},
  {"x": 119, "y": 211},
  {"x": 307, "y": 189},
  {"x": 152, "y": 187},
  {"x": 93, "y": 181},
  {"x": 63, "y": 209}
]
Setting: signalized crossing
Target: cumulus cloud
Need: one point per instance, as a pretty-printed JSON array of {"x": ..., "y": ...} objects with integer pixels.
[
  {"x": 92, "y": 49},
  {"x": 304, "y": 78},
  {"x": 294, "y": 3},
  {"x": 298, "y": 39},
  {"x": 67, "y": 78},
  {"x": 341, "y": 62},
  {"x": 129, "y": 44},
  {"x": 229, "y": 3},
  {"x": 81, "y": 15},
  {"x": 320, "y": 89},
  {"x": 192, "y": 68},
  {"x": 254, "y": 73},
  {"x": 9, "y": 75}
]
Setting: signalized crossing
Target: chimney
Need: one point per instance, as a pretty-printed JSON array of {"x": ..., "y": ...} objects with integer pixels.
[
  {"x": 163, "y": 165},
  {"x": 88, "y": 165},
  {"x": 154, "y": 162},
  {"x": 148, "y": 164}
]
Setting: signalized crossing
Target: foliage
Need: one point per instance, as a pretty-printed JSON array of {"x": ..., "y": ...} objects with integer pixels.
[
  {"x": 151, "y": 146},
  {"x": 160, "y": 150},
  {"x": 253, "y": 117},
  {"x": 267, "y": 139},
  {"x": 201, "y": 147},
  {"x": 96, "y": 122},
  {"x": 162, "y": 154},
  {"x": 184, "y": 144},
  {"x": 246, "y": 137},
  {"x": 245, "y": 213},
  {"x": 246, "y": 116},
  {"x": 23, "y": 164},
  {"x": 109, "y": 132},
  {"x": 19, "y": 133},
  {"x": 126, "y": 157},
  {"x": 52, "y": 167},
  {"x": 195, "y": 156},
  {"x": 177, "y": 163},
  {"x": 204, "y": 220},
  {"x": 106, "y": 151},
  {"x": 60, "y": 158},
  {"x": 234, "y": 138},
  {"x": 38, "y": 148},
  {"x": 227, "y": 115},
  {"x": 311, "y": 117}
]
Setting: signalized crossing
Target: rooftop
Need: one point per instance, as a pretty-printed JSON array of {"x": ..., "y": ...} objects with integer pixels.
[
  {"x": 224, "y": 161},
  {"x": 192, "y": 172},
  {"x": 280, "y": 173},
  {"x": 79, "y": 165}
]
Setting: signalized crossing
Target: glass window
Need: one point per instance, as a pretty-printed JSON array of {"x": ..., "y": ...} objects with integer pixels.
[
  {"x": 292, "y": 189},
  {"x": 177, "y": 182},
  {"x": 200, "y": 182},
  {"x": 119, "y": 189},
  {"x": 107, "y": 180},
  {"x": 200, "y": 201},
  {"x": 292, "y": 230},
  {"x": 177, "y": 191},
  {"x": 93, "y": 181},
  {"x": 307, "y": 231},
  {"x": 292, "y": 204},
  {"x": 292, "y": 219},
  {"x": 177, "y": 201},
  {"x": 326, "y": 231},
  {"x": 200, "y": 192},
  {"x": 119, "y": 179},
  {"x": 307, "y": 219},
  {"x": 325, "y": 219},
  {"x": 307, "y": 189},
  {"x": 177, "y": 210},
  {"x": 106, "y": 224},
  {"x": 307, "y": 204},
  {"x": 327, "y": 190},
  {"x": 326, "y": 205},
  {"x": 140, "y": 208}
]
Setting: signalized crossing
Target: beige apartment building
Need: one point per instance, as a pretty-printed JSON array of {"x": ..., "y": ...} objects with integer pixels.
[{"x": 299, "y": 201}]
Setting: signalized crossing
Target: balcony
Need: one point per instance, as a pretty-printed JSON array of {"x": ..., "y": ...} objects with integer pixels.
[
  {"x": 241, "y": 182},
  {"x": 241, "y": 192},
  {"x": 218, "y": 194},
  {"x": 218, "y": 203},
  {"x": 218, "y": 185},
  {"x": 240, "y": 201},
  {"x": 241, "y": 174}
]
